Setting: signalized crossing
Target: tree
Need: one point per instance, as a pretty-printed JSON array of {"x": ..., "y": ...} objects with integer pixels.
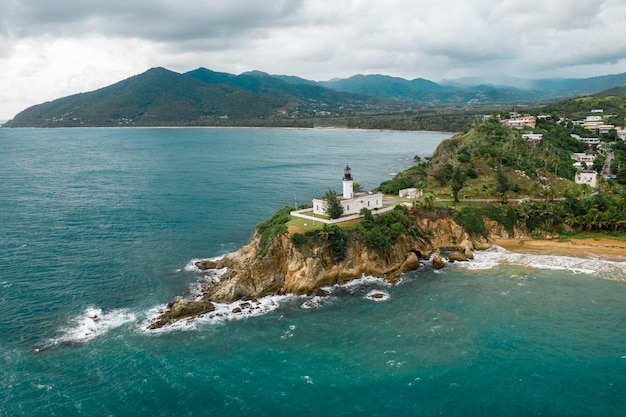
[
  {"x": 444, "y": 173},
  {"x": 549, "y": 194},
  {"x": 598, "y": 163},
  {"x": 456, "y": 182},
  {"x": 334, "y": 209},
  {"x": 368, "y": 218},
  {"x": 611, "y": 136},
  {"x": 429, "y": 202},
  {"x": 502, "y": 184},
  {"x": 337, "y": 241}
]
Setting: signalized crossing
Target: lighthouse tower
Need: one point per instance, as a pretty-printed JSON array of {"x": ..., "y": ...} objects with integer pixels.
[{"x": 348, "y": 188}]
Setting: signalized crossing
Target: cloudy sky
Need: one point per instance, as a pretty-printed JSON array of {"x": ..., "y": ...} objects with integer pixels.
[{"x": 50, "y": 49}]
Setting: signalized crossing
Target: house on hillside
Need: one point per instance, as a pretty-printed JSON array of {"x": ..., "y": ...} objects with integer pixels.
[
  {"x": 583, "y": 160},
  {"x": 410, "y": 193},
  {"x": 521, "y": 122},
  {"x": 587, "y": 177},
  {"x": 533, "y": 138},
  {"x": 588, "y": 141},
  {"x": 593, "y": 126},
  {"x": 587, "y": 158},
  {"x": 604, "y": 129}
]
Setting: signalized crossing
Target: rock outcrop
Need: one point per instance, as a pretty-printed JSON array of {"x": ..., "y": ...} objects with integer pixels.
[
  {"x": 438, "y": 262},
  {"x": 181, "y": 308},
  {"x": 286, "y": 270}
]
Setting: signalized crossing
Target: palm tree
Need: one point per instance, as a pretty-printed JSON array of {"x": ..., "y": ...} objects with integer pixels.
[
  {"x": 549, "y": 194},
  {"x": 429, "y": 202}
]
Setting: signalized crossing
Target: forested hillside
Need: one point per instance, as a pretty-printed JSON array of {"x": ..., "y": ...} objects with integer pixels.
[{"x": 490, "y": 171}]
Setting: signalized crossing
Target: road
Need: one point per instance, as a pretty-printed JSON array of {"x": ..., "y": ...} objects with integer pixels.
[{"x": 606, "y": 168}]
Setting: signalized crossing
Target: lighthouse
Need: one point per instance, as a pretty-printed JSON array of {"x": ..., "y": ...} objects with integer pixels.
[
  {"x": 348, "y": 187},
  {"x": 351, "y": 202}
]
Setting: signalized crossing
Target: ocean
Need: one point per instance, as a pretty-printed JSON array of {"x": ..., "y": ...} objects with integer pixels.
[{"x": 100, "y": 227}]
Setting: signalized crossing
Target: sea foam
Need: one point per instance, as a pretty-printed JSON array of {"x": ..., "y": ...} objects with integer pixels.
[
  {"x": 245, "y": 309},
  {"x": 191, "y": 265},
  {"x": 223, "y": 312},
  {"x": 497, "y": 255},
  {"x": 93, "y": 322}
]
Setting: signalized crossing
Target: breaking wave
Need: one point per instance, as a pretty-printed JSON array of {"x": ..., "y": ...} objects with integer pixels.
[
  {"x": 222, "y": 313},
  {"x": 93, "y": 322},
  {"x": 497, "y": 255}
]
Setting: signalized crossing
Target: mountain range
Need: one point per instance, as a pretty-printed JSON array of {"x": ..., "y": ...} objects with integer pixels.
[{"x": 160, "y": 97}]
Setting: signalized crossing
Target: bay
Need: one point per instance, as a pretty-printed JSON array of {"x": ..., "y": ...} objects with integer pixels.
[{"x": 104, "y": 222}]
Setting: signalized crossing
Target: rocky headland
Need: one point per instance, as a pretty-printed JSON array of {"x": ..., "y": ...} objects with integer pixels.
[{"x": 285, "y": 269}]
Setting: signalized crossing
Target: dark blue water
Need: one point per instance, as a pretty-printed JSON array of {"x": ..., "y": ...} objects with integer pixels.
[{"x": 102, "y": 222}]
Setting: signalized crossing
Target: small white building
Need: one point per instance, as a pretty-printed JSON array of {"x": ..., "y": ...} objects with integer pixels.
[
  {"x": 588, "y": 141},
  {"x": 533, "y": 138},
  {"x": 583, "y": 157},
  {"x": 410, "y": 193},
  {"x": 351, "y": 202},
  {"x": 521, "y": 122},
  {"x": 604, "y": 129},
  {"x": 593, "y": 126},
  {"x": 587, "y": 177}
]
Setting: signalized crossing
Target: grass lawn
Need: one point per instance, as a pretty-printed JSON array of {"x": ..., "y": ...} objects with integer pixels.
[{"x": 299, "y": 225}]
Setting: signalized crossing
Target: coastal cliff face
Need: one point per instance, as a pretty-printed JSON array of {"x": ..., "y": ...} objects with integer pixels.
[{"x": 286, "y": 270}]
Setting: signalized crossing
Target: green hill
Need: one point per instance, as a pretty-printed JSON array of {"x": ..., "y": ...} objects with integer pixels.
[
  {"x": 201, "y": 97},
  {"x": 489, "y": 148},
  {"x": 496, "y": 174},
  {"x": 612, "y": 101},
  {"x": 158, "y": 97},
  {"x": 304, "y": 93}
]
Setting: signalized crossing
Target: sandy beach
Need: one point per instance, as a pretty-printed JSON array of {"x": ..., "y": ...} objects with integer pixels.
[{"x": 602, "y": 247}]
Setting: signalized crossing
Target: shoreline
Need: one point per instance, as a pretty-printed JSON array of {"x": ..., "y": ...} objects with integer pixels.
[{"x": 605, "y": 248}]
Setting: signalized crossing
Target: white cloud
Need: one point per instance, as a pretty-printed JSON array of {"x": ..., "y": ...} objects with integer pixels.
[
  {"x": 45, "y": 69},
  {"x": 52, "y": 49}
]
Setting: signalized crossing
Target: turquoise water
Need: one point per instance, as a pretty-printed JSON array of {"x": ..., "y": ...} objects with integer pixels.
[{"x": 105, "y": 222}]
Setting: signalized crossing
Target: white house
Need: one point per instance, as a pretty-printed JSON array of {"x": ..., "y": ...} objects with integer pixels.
[
  {"x": 521, "y": 122},
  {"x": 533, "y": 138},
  {"x": 583, "y": 157},
  {"x": 603, "y": 129},
  {"x": 593, "y": 126},
  {"x": 410, "y": 193},
  {"x": 587, "y": 177},
  {"x": 588, "y": 141},
  {"x": 351, "y": 202}
]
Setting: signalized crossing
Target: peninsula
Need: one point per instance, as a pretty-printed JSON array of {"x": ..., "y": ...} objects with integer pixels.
[{"x": 493, "y": 183}]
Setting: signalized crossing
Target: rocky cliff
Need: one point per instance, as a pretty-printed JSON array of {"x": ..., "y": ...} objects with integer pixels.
[{"x": 286, "y": 270}]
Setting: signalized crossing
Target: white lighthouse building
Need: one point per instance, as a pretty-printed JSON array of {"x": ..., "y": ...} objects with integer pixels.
[
  {"x": 351, "y": 202},
  {"x": 348, "y": 184}
]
